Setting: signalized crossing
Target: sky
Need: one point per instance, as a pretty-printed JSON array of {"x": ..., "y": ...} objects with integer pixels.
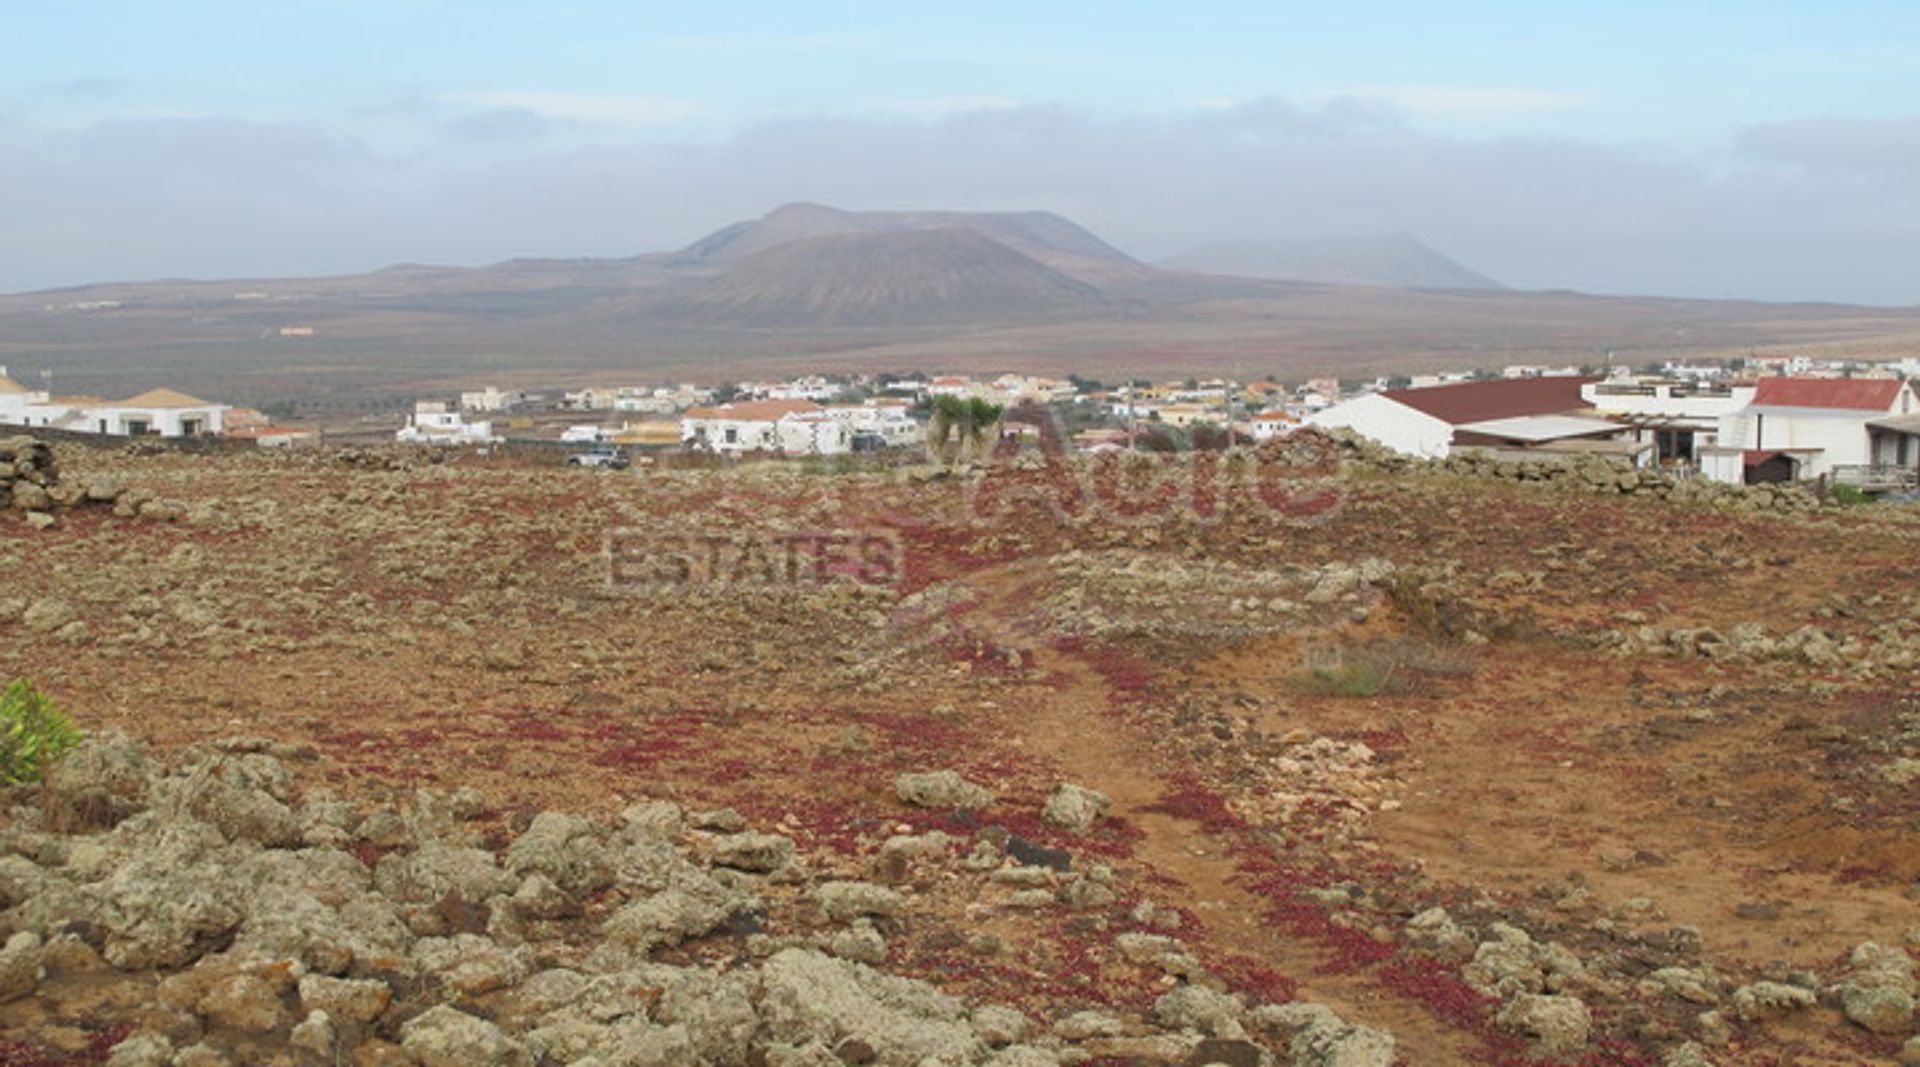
[{"x": 1761, "y": 150}]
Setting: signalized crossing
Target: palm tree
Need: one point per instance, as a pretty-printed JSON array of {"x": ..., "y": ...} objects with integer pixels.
[{"x": 962, "y": 428}]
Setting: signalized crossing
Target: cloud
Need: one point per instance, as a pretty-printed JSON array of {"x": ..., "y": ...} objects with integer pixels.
[
  {"x": 1788, "y": 215},
  {"x": 502, "y": 124},
  {"x": 629, "y": 110},
  {"x": 1879, "y": 148},
  {"x": 926, "y": 107},
  {"x": 1462, "y": 102},
  {"x": 88, "y": 88}
]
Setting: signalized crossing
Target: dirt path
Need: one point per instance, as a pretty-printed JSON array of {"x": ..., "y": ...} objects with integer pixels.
[{"x": 1074, "y": 724}]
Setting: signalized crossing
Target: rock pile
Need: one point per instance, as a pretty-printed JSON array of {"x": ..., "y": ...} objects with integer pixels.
[
  {"x": 223, "y": 918},
  {"x": 30, "y": 483}
]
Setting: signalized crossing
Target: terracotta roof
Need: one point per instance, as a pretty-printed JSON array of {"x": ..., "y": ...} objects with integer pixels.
[
  {"x": 1275, "y": 416},
  {"x": 162, "y": 398},
  {"x": 754, "y": 410},
  {"x": 1503, "y": 398},
  {"x": 9, "y": 386},
  {"x": 1839, "y": 394}
]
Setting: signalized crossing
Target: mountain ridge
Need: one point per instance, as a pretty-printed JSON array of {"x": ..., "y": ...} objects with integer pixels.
[{"x": 1393, "y": 260}]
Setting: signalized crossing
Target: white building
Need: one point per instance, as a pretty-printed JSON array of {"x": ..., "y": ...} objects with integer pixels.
[
  {"x": 1678, "y": 418},
  {"x": 156, "y": 412},
  {"x": 436, "y": 422},
  {"x": 887, "y": 420},
  {"x": 795, "y": 427},
  {"x": 1022, "y": 388},
  {"x": 490, "y": 400},
  {"x": 1271, "y": 424},
  {"x": 1508, "y": 412},
  {"x": 811, "y": 387},
  {"x": 1802, "y": 428},
  {"x": 585, "y": 434}
]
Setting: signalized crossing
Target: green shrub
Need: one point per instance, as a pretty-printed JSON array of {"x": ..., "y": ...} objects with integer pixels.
[
  {"x": 1849, "y": 495},
  {"x": 33, "y": 733},
  {"x": 1384, "y": 667},
  {"x": 1347, "y": 679}
]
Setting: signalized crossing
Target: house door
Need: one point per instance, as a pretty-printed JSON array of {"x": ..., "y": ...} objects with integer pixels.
[{"x": 192, "y": 427}]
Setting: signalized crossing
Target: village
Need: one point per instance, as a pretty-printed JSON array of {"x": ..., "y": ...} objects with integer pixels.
[{"x": 1758, "y": 420}]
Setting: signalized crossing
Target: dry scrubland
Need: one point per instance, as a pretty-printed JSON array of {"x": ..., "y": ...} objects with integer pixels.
[{"x": 1465, "y": 770}]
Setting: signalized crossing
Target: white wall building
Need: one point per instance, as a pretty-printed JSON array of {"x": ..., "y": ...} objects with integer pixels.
[
  {"x": 489, "y": 400},
  {"x": 156, "y": 412},
  {"x": 795, "y": 427},
  {"x": 1819, "y": 425},
  {"x": 1399, "y": 427},
  {"x": 1678, "y": 418},
  {"x": 585, "y": 434},
  {"x": 887, "y": 420},
  {"x": 1271, "y": 424},
  {"x": 1428, "y": 422},
  {"x": 436, "y": 422}
]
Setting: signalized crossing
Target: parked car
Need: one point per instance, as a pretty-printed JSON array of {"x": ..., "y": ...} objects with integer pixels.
[{"x": 603, "y": 458}]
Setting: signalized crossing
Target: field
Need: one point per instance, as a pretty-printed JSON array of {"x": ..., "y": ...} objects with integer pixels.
[
  {"x": 372, "y": 350},
  {"x": 1511, "y": 772}
]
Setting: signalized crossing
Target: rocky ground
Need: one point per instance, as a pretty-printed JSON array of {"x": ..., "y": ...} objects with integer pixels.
[{"x": 1310, "y": 758}]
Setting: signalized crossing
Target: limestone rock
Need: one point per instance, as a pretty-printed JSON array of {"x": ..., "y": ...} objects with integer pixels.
[
  {"x": 1073, "y": 807},
  {"x": 941, "y": 789},
  {"x": 1559, "y": 1024},
  {"x": 447, "y": 1037},
  {"x": 20, "y": 966}
]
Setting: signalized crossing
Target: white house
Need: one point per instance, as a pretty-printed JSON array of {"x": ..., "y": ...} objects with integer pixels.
[
  {"x": 1810, "y": 427},
  {"x": 796, "y": 427},
  {"x": 585, "y": 434},
  {"x": 488, "y": 400},
  {"x": 436, "y": 422},
  {"x": 1429, "y": 422},
  {"x": 1271, "y": 424},
  {"x": 1678, "y": 418},
  {"x": 811, "y": 387},
  {"x": 156, "y": 412},
  {"x": 885, "y": 419},
  {"x": 813, "y": 433}
]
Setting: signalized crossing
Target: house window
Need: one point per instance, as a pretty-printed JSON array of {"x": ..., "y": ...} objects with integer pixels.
[{"x": 733, "y": 435}]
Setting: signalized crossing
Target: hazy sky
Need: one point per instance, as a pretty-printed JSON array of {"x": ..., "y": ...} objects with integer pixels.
[{"x": 1756, "y": 149}]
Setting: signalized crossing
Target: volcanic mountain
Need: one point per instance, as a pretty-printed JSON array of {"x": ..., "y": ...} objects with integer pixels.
[
  {"x": 1042, "y": 236},
  {"x": 1397, "y": 261},
  {"x": 888, "y": 277}
]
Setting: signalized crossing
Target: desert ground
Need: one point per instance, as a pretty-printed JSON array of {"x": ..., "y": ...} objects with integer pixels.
[{"x": 1394, "y": 764}]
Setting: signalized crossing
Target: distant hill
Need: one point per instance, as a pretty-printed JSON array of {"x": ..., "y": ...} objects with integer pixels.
[
  {"x": 1041, "y": 236},
  {"x": 1398, "y": 261},
  {"x": 877, "y": 278},
  {"x": 810, "y": 288}
]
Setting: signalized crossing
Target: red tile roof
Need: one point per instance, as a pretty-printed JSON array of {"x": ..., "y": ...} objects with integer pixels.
[
  {"x": 1842, "y": 394},
  {"x": 1504, "y": 398}
]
